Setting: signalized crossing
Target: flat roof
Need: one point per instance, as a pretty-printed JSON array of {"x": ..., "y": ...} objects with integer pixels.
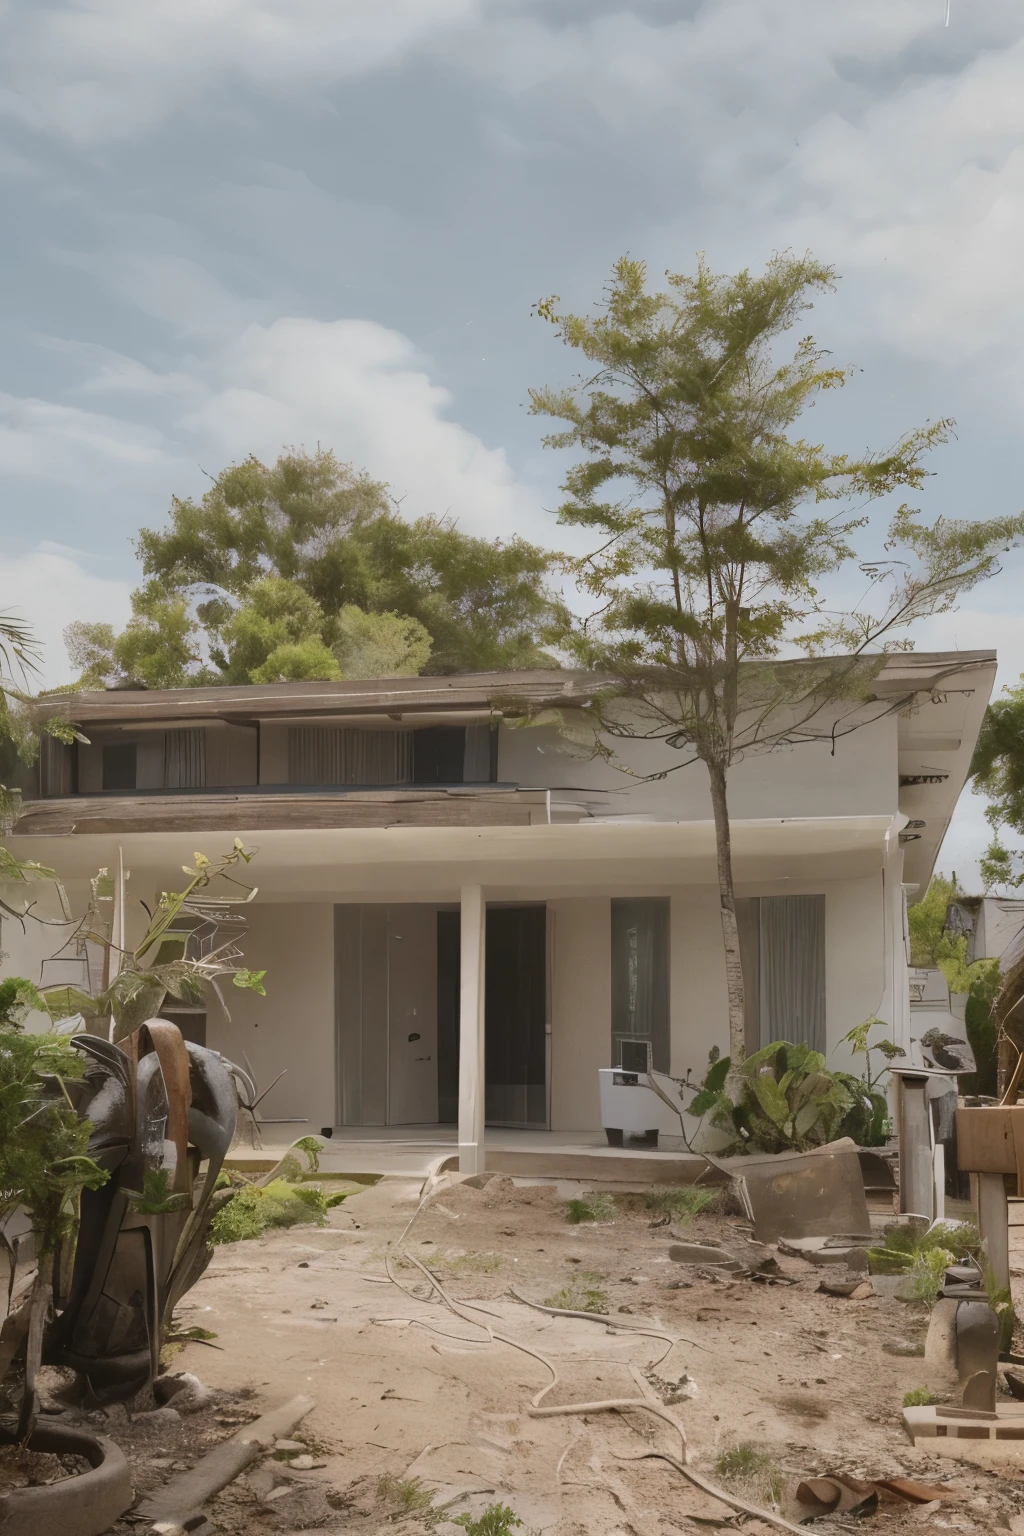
[{"x": 477, "y": 692}]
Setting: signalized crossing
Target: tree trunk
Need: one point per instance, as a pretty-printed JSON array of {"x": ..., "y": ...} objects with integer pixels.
[
  {"x": 730, "y": 928},
  {"x": 42, "y": 1293}
]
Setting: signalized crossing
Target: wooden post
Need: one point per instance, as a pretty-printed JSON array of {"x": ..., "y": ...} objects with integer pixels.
[
  {"x": 472, "y": 1059},
  {"x": 989, "y": 1190},
  {"x": 917, "y": 1146}
]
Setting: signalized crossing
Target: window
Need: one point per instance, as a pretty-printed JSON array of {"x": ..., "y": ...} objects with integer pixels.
[
  {"x": 119, "y": 765},
  {"x": 185, "y": 759},
  {"x": 782, "y": 947},
  {"x": 640, "y": 987},
  {"x": 439, "y": 755},
  {"x": 433, "y": 754},
  {"x": 335, "y": 755}
]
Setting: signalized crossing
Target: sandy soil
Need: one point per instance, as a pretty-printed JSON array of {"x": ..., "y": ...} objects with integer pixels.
[{"x": 407, "y": 1390}]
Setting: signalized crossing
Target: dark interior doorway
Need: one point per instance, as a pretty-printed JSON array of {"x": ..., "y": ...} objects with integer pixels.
[{"x": 515, "y": 1010}]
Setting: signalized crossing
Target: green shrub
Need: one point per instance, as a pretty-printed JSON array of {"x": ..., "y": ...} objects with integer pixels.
[
  {"x": 496, "y": 1520},
  {"x": 681, "y": 1204},
  {"x": 787, "y": 1100},
  {"x": 406, "y": 1494},
  {"x": 745, "y": 1468},
  {"x": 904, "y": 1244},
  {"x": 926, "y": 1273},
  {"x": 252, "y": 1211},
  {"x": 44, "y": 1161},
  {"x": 591, "y": 1208},
  {"x": 919, "y": 1397},
  {"x": 579, "y": 1297},
  {"x": 312, "y": 1148}
]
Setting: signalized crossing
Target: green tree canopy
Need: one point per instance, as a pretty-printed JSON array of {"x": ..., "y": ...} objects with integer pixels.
[
  {"x": 998, "y": 772},
  {"x": 305, "y": 568}
]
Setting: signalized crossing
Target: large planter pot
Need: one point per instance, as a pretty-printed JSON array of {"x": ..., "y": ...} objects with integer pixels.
[{"x": 76, "y": 1506}]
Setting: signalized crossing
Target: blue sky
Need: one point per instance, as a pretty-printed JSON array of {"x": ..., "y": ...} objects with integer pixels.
[{"x": 236, "y": 224}]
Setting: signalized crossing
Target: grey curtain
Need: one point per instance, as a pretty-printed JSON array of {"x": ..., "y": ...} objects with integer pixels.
[
  {"x": 335, "y": 755},
  {"x": 792, "y": 970},
  {"x": 185, "y": 759},
  {"x": 640, "y": 976}
]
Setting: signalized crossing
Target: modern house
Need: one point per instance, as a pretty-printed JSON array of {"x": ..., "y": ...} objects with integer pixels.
[{"x": 461, "y": 921}]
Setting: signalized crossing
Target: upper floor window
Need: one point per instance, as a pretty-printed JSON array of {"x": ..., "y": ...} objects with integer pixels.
[
  {"x": 120, "y": 765},
  {"x": 437, "y": 754}
]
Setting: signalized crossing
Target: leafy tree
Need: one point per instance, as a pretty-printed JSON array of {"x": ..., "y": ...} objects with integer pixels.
[
  {"x": 44, "y": 1163},
  {"x": 19, "y": 735},
  {"x": 276, "y": 634},
  {"x": 305, "y": 568},
  {"x": 998, "y": 772},
  {"x": 932, "y": 946},
  {"x": 380, "y": 644},
  {"x": 926, "y": 920},
  {"x": 716, "y": 524},
  {"x": 159, "y": 966}
]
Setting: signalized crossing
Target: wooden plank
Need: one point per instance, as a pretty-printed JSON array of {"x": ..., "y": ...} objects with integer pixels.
[
  {"x": 477, "y": 691},
  {"x": 990, "y": 1139},
  {"x": 209, "y": 813}
]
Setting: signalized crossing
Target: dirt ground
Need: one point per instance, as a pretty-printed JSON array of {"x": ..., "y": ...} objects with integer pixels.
[{"x": 414, "y": 1402}]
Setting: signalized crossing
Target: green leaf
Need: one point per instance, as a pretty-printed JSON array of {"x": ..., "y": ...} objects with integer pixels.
[
  {"x": 250, "y": 981},
  {"x": 806, "y": 1119},
  {"x": 157, "y": 1197},
  {"x": 703, "y": 1101},
  {"x": 717, "y": 1073},
  {"x": 771, "y": 1099}
]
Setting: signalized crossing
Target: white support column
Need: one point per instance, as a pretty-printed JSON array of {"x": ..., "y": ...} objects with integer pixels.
[{"x": 471, "y": 1031}]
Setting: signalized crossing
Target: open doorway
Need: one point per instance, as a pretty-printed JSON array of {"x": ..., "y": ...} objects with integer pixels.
[{"x": 515, "y": 1004}]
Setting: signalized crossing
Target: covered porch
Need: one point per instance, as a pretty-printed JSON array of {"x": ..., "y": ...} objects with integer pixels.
[{"x": 350, "y": 925}]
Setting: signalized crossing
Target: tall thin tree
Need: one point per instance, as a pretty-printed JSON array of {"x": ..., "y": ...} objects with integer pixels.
[{"x": 717, "y": 524}]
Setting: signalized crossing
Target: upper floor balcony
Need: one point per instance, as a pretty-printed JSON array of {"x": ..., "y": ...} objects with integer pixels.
[{"x": 397, "y": 752}]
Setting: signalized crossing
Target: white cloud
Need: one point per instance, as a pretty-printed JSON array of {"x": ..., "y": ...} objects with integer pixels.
[
  {"x": 51, "y": 586},
  {"x": 96, "y": 70},
  {"x": 869, "y": 133},
  {"x": 925, "y": 191},
  {"x": 365, "y": 391},
  {"x": 350, "y": 385},
  {"x": 47, "y": 440}
]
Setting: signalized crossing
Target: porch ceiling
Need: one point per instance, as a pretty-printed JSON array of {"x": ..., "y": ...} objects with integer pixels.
[{"x": 433, "y": 862}]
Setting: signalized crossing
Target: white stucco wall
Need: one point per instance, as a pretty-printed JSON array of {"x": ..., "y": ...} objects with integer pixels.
[
  {"x": 293, "y": 1026},
  {"x": 854, "y": 965},
  {"x": 999, "y": 924},
  {"x": 859, "y": 778},
  {"x": 581, "y": 983}
]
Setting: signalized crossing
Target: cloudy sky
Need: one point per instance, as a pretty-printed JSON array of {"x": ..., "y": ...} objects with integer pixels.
[{"x": 236, "y": 224}]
